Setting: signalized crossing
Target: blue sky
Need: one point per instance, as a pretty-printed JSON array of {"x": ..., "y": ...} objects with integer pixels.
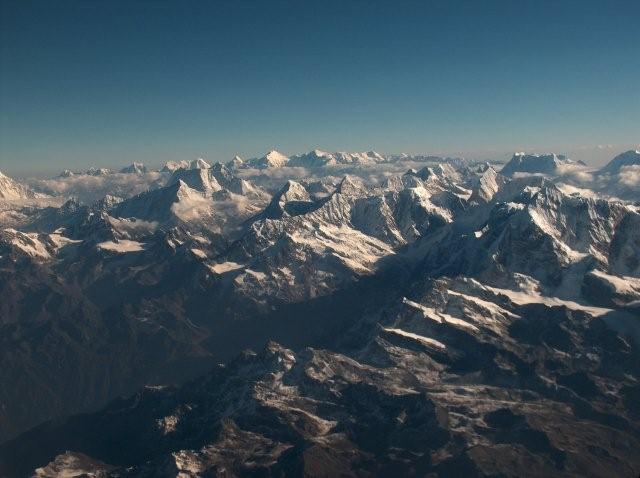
[{"x": 105, "y": 82}]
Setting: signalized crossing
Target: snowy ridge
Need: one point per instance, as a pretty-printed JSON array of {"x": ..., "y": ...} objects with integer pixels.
[{"x": 11, "y": 190}]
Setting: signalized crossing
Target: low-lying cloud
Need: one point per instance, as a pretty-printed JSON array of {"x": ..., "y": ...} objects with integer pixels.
[{"x": 88, "y": 189}]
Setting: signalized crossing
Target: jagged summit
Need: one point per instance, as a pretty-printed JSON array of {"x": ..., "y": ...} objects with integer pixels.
[
  {"x": 162, "y": 205},
  {"x": 350, "y": 185},
  {"x": 171, "y": 166},
  {"x": 292, "y": 199},
  {"x": 235, "y": 163},
  {"x": 487, "y": 184},
  {"x": 199, "y": 164},
  {"x": 200, "y": 179},
  {"x": 135, "y": 168}
]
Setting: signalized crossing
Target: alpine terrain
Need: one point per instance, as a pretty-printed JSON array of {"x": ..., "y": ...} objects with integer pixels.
[{"x": 322, "y": 314}]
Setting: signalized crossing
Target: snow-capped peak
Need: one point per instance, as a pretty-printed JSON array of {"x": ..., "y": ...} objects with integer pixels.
[
  {"x": 183, "y": 191},
  {"x": 273, "y": 159},
  {"x": 536, "y": 164},
  {"x": 350, "y": 185},
  {"x": 199, "y": 179},
  {"x": 199, "y": 163},
  {"x": 291, "y": 192},
  {"x": 628, "y": 158},
  {"x": 235, "y": 163},
  {"x": 276, "y": 158},
  {"x": 171, "y": 166},
  {"x": 375, "y": 156}
]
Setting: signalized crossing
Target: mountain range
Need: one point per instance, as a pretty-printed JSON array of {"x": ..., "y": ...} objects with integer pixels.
[{"x": 323, "y": 314}]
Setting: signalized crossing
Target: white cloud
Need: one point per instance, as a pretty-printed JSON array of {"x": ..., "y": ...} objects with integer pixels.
[
  {"x": 273, "y": 179},
  {"x": 630, "y": 175},
  {"x": 89, "y": 188},
  {"x": 583, "y": 177}
]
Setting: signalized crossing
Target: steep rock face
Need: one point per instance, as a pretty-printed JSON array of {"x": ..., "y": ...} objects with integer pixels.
[
  {"x": 486, "y": 185},
  {"x": 293, "y": 199},
  {"x": 624, "y": 256},
  {"x": 200, "y": 179},
  {"x": 374, "y": 216},
  {"x": 158, "y": 204}
]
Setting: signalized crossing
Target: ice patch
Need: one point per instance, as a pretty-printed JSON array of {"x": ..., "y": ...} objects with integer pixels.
[
  {"x": 199, "y": 253},
  {"x": 121, "y": 246},
  {"x": 419, "y": 338},
  {"x": 225, "y": 267}
]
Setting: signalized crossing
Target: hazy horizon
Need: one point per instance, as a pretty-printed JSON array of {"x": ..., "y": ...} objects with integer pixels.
[{"x": 596, "y": 156}]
